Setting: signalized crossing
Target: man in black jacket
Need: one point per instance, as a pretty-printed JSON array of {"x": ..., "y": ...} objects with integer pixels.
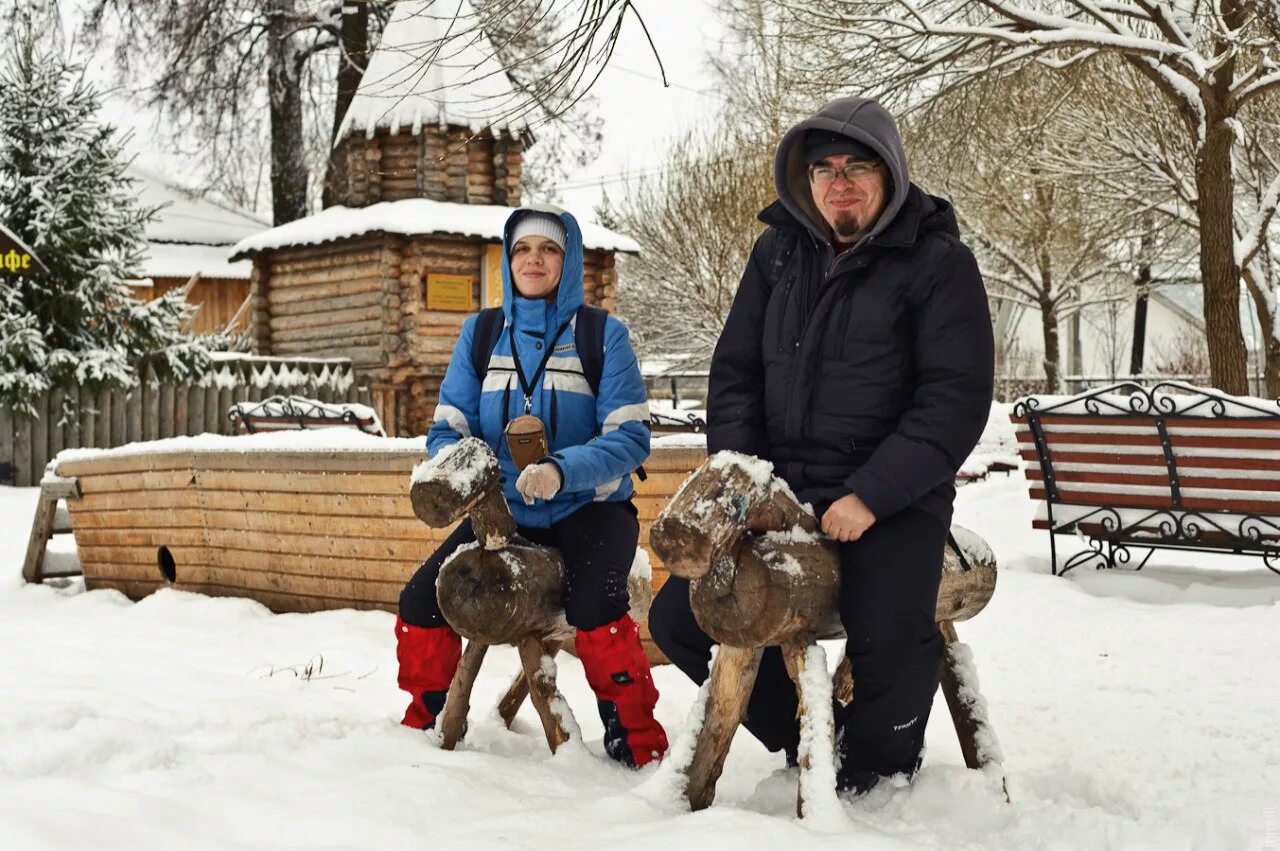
[{"x": 858, "y": 359}]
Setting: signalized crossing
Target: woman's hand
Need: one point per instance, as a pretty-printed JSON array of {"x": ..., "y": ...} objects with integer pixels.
[{"x": 539, "y": 481}]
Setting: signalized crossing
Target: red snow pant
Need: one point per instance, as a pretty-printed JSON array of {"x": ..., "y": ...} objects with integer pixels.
[{"x": 598, "y": 544}]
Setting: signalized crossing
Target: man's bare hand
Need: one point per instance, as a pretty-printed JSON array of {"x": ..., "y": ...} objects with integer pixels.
[{"x": 847, "y": 519}]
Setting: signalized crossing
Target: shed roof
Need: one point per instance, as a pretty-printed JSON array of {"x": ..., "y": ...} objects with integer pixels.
[
  {"x": 410, "y": 217},
  {"x": 434, "y": 65}
]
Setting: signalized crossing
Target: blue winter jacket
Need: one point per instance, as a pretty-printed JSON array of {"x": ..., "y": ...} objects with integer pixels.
[{"x": 596, "y": 442}]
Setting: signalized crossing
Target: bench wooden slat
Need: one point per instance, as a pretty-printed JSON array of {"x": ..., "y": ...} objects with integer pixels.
[
  {"x": 1178, "y": 440},
  {"x": 1232, "y": 505},
  {"x": 1241, "y": 423},
  {"x": 1155, "y": 460},
  {"x": 1161, "y": 478}
]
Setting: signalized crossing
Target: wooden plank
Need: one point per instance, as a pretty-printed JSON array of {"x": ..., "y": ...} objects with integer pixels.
[
  {"x": 119, "y": 417},
  {"x": 1155, "y": 460},
  {"x": 184, "y": 536},
  {"x": 373, "y": 506},
  {"x": 253, "y": 460},
  {"x": 1175, "y": 421},
  {"x": 320, "y": 294},
  {"x": 150, "y": 405},
  {"x": 57, "y": 422},
  {"x": 38, "y": 539},
  {"x": 226, "y": 398},
  {"x": 387, "y": 528},
  {"x": 166, "y": 410},
  {"x": 133, "y": 406},
  {"x": 381, "y": 483},
  {"x": 1227, "y": 505},
  {"x": 72, "y": 439},
  {"x": 355, "y": 549},
  {"x": 181, "y": 406},
  {"x": 260, "y": 580},
  {"x": 22, "y": 427},
  {"x": 195, "y": 409},
  {"x": 7, "y": 445},
  {"x": 135, "y": 519},
  {"x": 133, "y": 500},
  {"x": 212, "y": 424},
  {"x": 295, "y": 321},
  {"x": 344, "y": 334},
  {"x": 88, "y": 418},
  {"x": 40, "y": 438},
  {"x": 1156, "y": 480},
  {"x": 266, "y": 564},
  {"x": 103, "y": 424}
]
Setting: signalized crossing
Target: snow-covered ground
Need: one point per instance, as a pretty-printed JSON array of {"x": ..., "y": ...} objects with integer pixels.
[{"x": 1134, "y": 710}]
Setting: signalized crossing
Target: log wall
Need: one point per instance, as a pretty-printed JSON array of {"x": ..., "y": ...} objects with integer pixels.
[
  {"x": 297, "y": 531},
  {"x": 451, "y": 164},
  {"x": 218, "y": 298},
  {"x": 365, "y": 299}
]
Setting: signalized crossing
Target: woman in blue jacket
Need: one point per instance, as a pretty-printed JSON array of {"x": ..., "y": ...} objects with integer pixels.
[{"x": 577, "y": 499}]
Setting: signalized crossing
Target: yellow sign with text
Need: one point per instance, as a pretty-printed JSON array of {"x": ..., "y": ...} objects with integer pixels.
[{"x": 449, "y": 292}]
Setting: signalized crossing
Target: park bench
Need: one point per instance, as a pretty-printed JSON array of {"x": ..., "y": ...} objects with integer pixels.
[
  {"x": 1172, "y": 466},
  {"x": 298, "y": 412}
]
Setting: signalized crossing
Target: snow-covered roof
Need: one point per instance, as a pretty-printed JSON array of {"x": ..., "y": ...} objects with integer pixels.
[
  {"x": 411, "y": 217},
  {"x": 187, "y": 218},
  {"x": 434, "y": 66},
  {"x": 176, "y": 260}
]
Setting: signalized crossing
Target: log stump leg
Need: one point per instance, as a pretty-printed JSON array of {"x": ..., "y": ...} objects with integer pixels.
[
  {"x": 842, "y": 680},
  {"x": 732, "y": 676},
  {"x": 551, "y": 706},
  {"x": 519, "y": 690},
  {"x": 817, "y": 727},
  {"x": 458, "y": 702},
  {"x": 978, "y": 740}
]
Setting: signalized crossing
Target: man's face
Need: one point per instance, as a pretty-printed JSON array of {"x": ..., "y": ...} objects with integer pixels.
[{"x": 850, "y": 207}]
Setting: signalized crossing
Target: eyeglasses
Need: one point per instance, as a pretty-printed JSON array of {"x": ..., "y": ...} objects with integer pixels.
[{"x": 824, "y": 175}]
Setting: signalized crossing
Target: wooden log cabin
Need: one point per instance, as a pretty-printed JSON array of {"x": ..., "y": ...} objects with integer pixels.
[
  {"x": 429, "y": 167},
  {"x": 187, "y": 244}
]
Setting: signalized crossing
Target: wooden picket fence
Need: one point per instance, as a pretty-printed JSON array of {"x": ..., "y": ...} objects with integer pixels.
[{"x": 69, "y": 418}]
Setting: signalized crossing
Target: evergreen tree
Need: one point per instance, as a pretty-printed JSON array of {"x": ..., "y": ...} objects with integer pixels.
[{"x": 63, "y": 191}]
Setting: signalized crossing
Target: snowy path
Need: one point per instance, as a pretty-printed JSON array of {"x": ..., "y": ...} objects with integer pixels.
[{"x": 1135, "y": 711}]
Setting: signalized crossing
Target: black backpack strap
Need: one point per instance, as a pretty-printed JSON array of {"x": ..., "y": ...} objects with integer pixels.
[
  {"x": 488, "y": 329},
  {"x": 588, "y": 339},
  {"x": 784, "y": 248}
]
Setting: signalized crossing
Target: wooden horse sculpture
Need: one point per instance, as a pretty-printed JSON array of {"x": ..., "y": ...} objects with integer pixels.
[
  {"x": 501, "y": 590},
  {"x": 763, "y": 575}
]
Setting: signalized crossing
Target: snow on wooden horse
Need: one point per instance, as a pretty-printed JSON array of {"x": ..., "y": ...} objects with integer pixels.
[
  {"x": 500, "y": 590},
  {"x": 762, "y": 576}
]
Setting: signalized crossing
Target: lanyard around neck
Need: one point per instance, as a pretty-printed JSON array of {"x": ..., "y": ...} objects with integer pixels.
[{"x": 527, "y": 386}]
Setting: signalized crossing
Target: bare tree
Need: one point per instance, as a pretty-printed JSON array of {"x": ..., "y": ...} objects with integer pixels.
[
  {"x": 696, "y": 222},
  {"x": 211, "y": 64},
  {"x": 1210, "y": 61}
]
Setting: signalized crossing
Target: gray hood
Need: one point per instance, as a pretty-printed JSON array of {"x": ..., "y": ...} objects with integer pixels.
[{"x": 858, "y": 118}]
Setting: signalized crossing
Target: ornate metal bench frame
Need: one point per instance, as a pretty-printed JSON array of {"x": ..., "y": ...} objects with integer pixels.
[{"x": 1109, "y": 537}]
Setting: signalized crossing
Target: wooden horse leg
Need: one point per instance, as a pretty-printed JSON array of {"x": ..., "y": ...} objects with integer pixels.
[
  {"x": 514, "y": 698},
  {"x": 732, "y": 676},
  {"x": 542, "y": 691},
  {"x": 968, "y": 710},
  {"x": 458, "y": 702},
  {"x": 842, "y": 680},
  {"x": 796, "y": 656}
]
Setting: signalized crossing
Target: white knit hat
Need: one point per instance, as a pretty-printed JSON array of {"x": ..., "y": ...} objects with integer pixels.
[{"x": 539, "y": 224}]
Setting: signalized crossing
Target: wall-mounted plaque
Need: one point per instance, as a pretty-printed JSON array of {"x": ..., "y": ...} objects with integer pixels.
[{"x": 449, "y": 292}]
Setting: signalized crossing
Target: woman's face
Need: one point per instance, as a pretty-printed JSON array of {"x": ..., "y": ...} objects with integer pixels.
[{"x": 536, "y": 263}]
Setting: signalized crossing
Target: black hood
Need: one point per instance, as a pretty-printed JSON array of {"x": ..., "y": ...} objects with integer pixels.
[{"x": 858, "y": 118}]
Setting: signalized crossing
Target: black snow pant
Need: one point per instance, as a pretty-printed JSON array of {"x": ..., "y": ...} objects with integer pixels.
[
  {"x": 597, "y": 542},
  {"x": 888, "y": 597}
]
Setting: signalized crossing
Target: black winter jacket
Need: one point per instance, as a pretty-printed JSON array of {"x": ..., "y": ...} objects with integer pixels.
[{"x": 867, "y": 373}]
